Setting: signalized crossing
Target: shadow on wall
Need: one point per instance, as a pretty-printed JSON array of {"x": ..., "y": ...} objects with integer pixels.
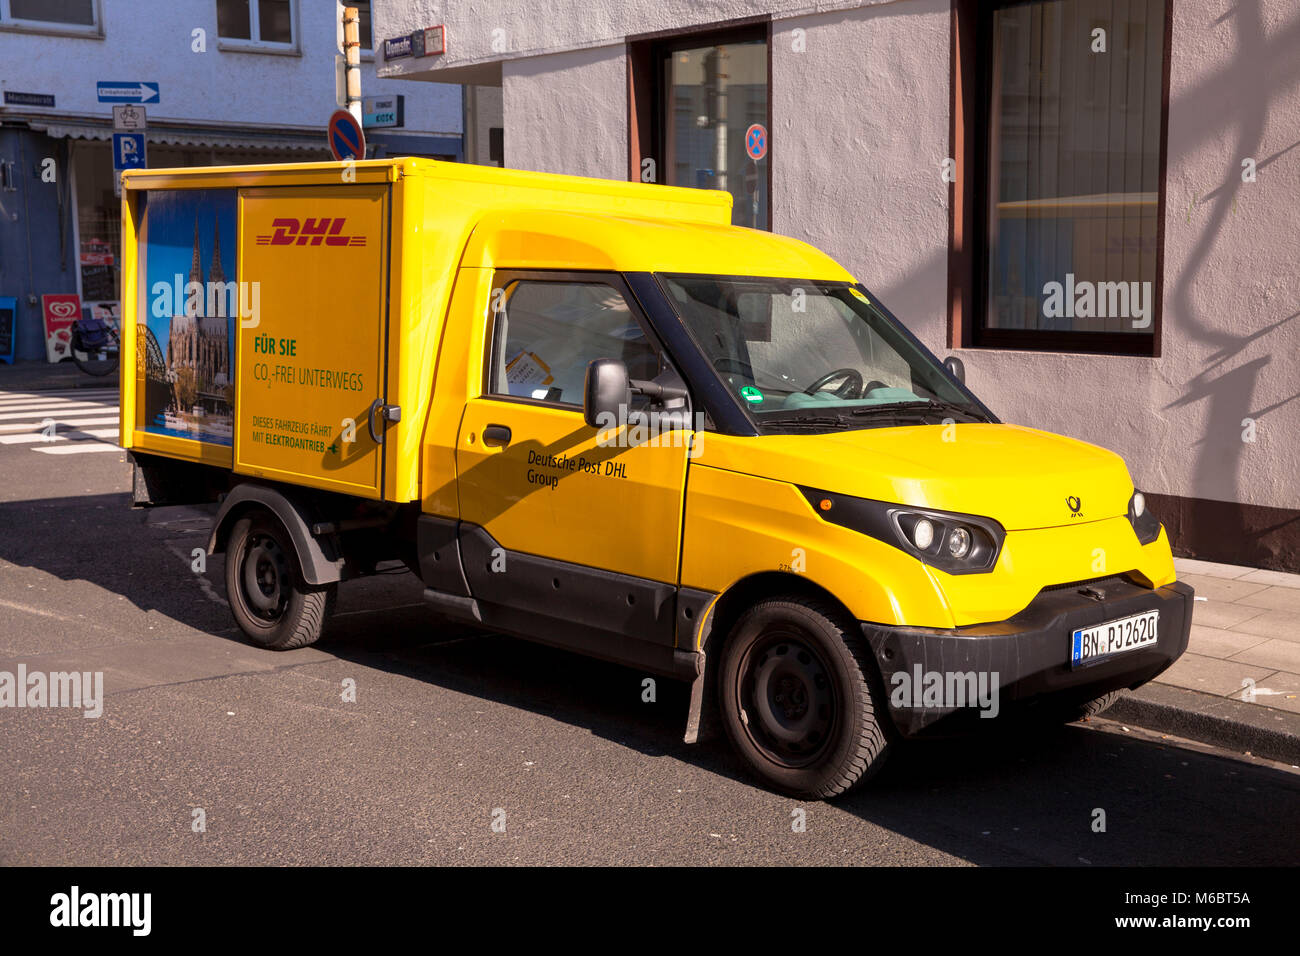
[{"x": 1262, "y": 69}]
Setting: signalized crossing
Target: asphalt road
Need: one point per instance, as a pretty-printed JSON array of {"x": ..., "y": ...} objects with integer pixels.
[{"x": 452, "y": 729}]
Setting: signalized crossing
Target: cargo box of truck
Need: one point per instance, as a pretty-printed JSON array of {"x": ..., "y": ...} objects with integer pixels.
[{"x": 596, "y": 415}]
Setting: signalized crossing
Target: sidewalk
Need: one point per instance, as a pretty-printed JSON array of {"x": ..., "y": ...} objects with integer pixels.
[
  {"x": 39, "y": 374},
  {"x": 1238, "y": 685}
]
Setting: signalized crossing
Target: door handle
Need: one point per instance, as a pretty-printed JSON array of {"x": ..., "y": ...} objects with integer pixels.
[
  {"x": 389, "y": 413},
  {"x": 496, "y": 435}
]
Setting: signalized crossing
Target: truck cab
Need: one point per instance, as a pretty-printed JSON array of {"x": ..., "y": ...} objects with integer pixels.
[{"x": 598, "y": 416}]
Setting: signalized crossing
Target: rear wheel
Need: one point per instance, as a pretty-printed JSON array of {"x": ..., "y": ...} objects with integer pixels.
[
  {"x": 272, "y": 604},
  {"x": 797, "y": 699}
]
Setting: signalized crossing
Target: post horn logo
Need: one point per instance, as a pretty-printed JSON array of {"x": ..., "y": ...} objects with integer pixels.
[{"x": 1074, "y": 503}]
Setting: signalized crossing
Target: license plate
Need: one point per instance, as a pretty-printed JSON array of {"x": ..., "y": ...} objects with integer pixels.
[{"x": 1126, "y": 634}]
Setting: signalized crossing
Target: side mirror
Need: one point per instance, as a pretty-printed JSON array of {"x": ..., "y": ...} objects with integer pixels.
[
  {"x": 955, "y": 368},
  {"x": 606, "y": 390}
]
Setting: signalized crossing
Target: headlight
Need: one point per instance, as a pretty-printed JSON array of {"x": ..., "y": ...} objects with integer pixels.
[
  {"x": 959, "y": 543},
  {"x": 956, "y": 543},
  {"x": 1145, "y": 525}
]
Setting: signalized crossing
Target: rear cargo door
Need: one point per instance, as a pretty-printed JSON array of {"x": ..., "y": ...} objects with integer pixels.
[{"x": 311, "y": 358}]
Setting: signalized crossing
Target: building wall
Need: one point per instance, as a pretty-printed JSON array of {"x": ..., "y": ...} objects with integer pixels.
[
  {"x": 860, "y": 128},
  {"x": 38, "y": 250},
  {"x": 152, "y": 40},
  {"x": 563, "y": 113}
]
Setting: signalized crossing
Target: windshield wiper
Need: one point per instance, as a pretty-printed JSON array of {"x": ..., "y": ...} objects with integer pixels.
[
  {"x": 820, "y": 421},
  {"x": 926, "y": 405}
]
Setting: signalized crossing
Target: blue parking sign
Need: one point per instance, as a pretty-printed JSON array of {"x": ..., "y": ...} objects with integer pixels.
[{"x": 128, "y": 151}]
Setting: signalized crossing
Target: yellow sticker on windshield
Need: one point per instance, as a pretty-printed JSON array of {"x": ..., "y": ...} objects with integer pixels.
[{"x": 857, "y": 294}]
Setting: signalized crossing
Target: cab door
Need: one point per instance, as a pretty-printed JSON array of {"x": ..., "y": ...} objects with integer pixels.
[{"x": 559, "y": 519}]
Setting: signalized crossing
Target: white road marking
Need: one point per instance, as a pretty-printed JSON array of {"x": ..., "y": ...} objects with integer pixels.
[
  {"x": 83, "y": 408},
  {"x": 64, "y": 436},
  {"x": 77, "y": 448},
  {"x": 8, "y": 428},
  {"x": 93, "y": 393}
]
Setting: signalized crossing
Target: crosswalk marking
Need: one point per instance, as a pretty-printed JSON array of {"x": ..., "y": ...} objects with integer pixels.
[
  {"x": 83, "y": 409},
  {"x": 9, "y": 428},
  {"x": 26, "y": 419},
  {"x": 60, "y": 436},
  {"x": 79, "y": 448},
  {"x": 96, "y": 393}
]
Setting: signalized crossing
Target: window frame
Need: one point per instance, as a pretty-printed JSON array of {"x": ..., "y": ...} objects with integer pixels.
[
  {"x": 648, "y": 93},
  {"x": 502, "y": 278},
  {"x": 94, "y": 31},
  {"x": 972, "y": 59},
  {"x": 241, "y": 45}
]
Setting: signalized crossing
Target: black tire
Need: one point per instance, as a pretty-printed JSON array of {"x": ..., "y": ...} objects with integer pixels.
[
  {"x": 797, "y": 697},
  {"x": 1092, "y": 708},
  {"x": 272, "y": 604},
  {"x": 91, "y": 364},
  {"x": 98, "y": 363}
]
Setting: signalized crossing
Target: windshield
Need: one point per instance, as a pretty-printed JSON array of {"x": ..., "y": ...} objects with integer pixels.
[{"x": 800, "y": 354}]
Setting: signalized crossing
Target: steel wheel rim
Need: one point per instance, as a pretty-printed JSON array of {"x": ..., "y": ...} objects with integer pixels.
[
  {"x": 788, "y": 699},
  {"x": 265, "y": 578}
]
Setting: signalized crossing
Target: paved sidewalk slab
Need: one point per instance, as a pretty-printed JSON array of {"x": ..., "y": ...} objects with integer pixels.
[{"x": 1238, "y": 685}]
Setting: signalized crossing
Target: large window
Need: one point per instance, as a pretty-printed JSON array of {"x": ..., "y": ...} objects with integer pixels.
[
  {"x": 1069, "y": 174},
  {"x": 267, "y": 23},
  {"x": 75, "y": 15},
  {"x": 547, "y": 332},
  {"x": 701, "y": 106}
]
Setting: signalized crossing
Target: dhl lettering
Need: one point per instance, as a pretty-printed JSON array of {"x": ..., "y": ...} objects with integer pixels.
[{"x": 290, "y": 232}]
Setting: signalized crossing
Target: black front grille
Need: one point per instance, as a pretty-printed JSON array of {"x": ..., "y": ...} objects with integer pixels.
[{"x": 1091, "y": 582}]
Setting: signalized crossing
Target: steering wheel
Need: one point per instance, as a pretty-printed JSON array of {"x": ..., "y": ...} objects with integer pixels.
[{"x": 851, "y": 376}]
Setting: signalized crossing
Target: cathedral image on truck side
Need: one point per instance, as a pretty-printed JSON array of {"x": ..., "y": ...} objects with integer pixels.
[{"x": 198, "y": 346}]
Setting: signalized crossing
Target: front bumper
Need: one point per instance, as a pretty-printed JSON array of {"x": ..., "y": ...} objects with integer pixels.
[{"x": 1024, "y": 661}]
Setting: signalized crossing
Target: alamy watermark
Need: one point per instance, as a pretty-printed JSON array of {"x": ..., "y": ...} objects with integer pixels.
[
  {"x": 666, "y": 429},
  {"x": 946, "y": 690},
  {"x": 37, "y": 689},
  {"x": 211, "y": 299},
  {"x": 1101, "y": 300}
]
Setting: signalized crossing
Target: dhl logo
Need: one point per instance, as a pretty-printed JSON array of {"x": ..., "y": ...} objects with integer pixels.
[{"x": 311, "y": 232}]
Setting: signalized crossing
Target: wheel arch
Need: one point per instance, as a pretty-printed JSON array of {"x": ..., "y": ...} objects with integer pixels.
[
  {"x": 732, "y": 603},
  {"x": 319, "y": 557}
]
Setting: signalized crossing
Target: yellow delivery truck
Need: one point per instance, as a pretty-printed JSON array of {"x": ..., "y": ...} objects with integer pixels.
[{"x": 596, "y": 415}]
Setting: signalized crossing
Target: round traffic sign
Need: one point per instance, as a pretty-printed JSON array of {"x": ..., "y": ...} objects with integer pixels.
[
  {"x": 756, "y": 141},
  {"x": 346, "y": 139}
]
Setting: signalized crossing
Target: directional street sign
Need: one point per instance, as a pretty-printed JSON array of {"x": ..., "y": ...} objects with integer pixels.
[
  {"x": 345, "y": 137},
  {"x": 110, "y": 91}
]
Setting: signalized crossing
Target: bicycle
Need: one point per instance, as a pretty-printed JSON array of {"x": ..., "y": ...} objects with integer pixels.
[{"x": 95, "y": 346}]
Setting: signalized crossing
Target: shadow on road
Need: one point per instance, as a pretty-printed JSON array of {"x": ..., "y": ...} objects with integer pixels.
[{"x": 997, "y": 798}]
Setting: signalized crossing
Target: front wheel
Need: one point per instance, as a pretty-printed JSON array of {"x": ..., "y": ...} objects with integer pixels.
[
  {"x": 272, "y": 604},
  {"x": 1092, "y": 708},
  {"x": 797, "y": 699}
]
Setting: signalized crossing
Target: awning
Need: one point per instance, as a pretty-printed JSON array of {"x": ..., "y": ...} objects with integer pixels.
[{"x": 193, "y": 136}]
